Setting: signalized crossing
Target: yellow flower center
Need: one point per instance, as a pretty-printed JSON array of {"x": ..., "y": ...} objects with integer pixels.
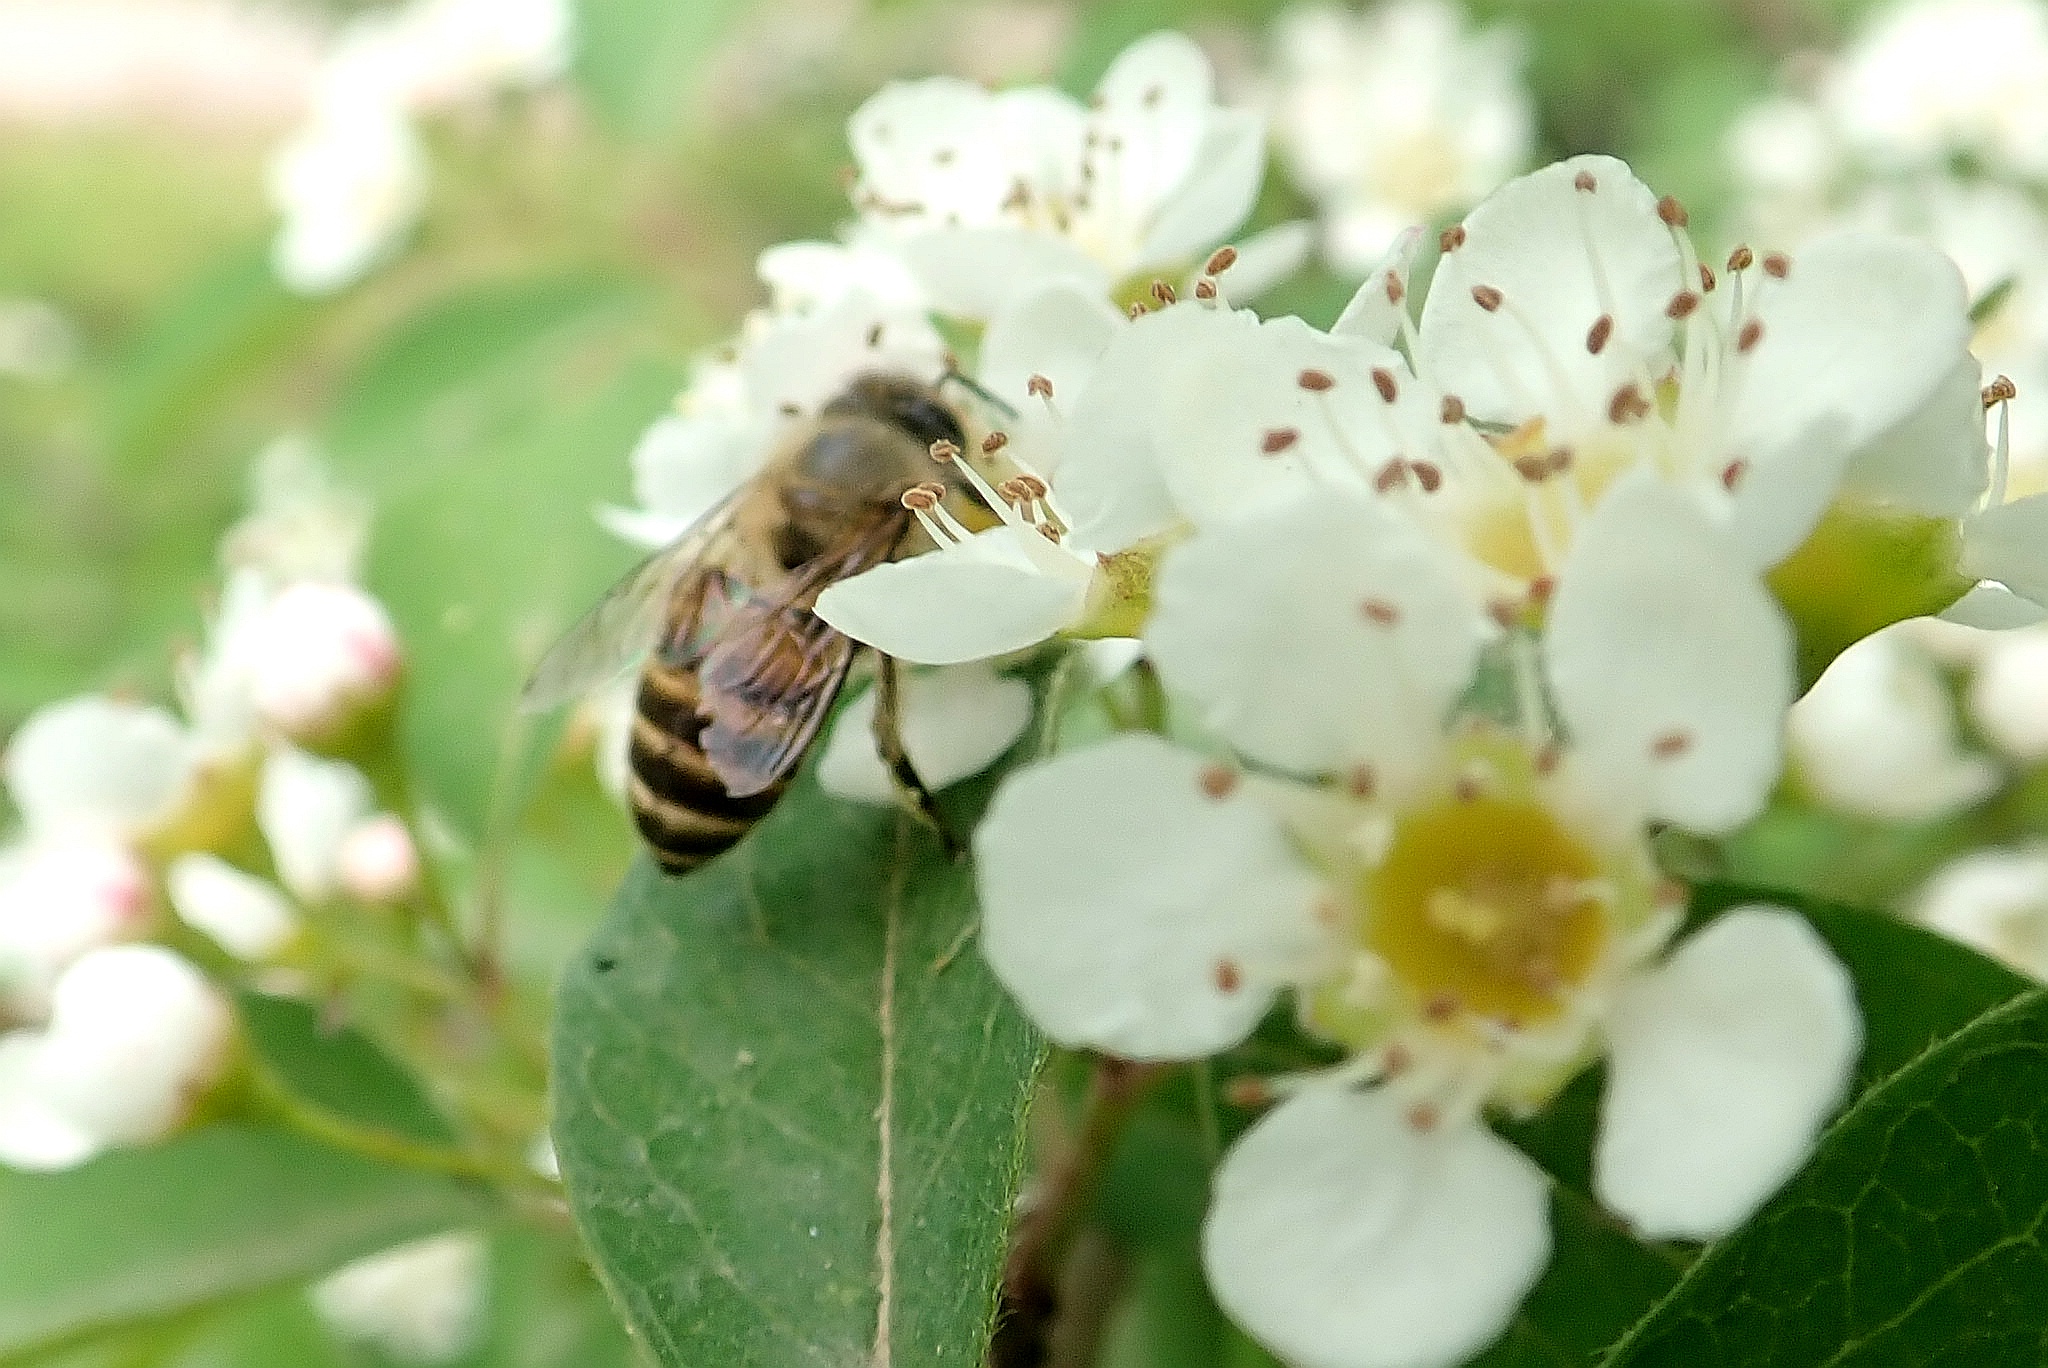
[{"x": 1487, "y": 906}]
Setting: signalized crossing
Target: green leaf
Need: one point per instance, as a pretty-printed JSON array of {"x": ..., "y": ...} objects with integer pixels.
[
  {"x": 637, "y": 60},
  {"x": 488, "y": 428},
  {"x": 788, "y": 1137},
  {"x": 1913, "y": 1237},
  {"x": 337, "y": 1072},
  {"x": 1600, "y": 1281},
  {"x": 140, "y": 1234}
]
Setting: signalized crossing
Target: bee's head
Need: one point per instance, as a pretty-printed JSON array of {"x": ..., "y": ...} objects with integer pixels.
[{"x": 902, "y": 402}]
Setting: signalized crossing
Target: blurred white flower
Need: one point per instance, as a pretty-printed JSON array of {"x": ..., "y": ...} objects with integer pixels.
[
  {"x": 134, "y": 1034},
  {"x": 1995, "y": 901},
  {"x": 2008, "y": 693},
  {"x": 307, "y": 808},
  {"x": 419, "y": 1303},
  {"x": 350, "y": 184},
  {"x": 956, "y": 723},
  {"x": 991, "y": 195},
  {"x": 250, "y": 917},
  {"x": 301, "y": 523},
  {"x": 1787, "y": 161},
  {"x": 378, "y": 861},
  {"x": 36, "y": 341},
  {"x": 1472, "y": 913},
  {"x": 98, "y": 765},
  {"x": 60, "y": 896},
  {"x": 320, "y": 656},
  {"x": 1929, "y": 79},
  {"x": 1877, "y": 736},
  {"x": 1394, "y": 117},
  {"x": 428, "y": 53}
]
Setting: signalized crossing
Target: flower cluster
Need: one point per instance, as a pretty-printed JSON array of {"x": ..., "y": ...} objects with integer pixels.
[
  {"x": 129, "y": 810},
  {"x": 353, "y": 179}
]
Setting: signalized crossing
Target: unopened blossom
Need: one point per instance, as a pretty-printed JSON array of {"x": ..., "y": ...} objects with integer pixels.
[
  {"x": 1394, "y": 117},
  {"x": 350, "y": 185},
  {"x": 307, "y": 808},
  {"x": 1877, "y": 736},
  {"x": 1470, "y": 909},
  {"x": 419, "y": 1303},
  {"x": 1995, "y": 901},
  {"x": 956, "y": 722},
  {"x": 321, "y": 656},
  {"x": 249, "y": 916},
  {"x": 378, "y": 860},
  {"x": 991, "y": 195},
  {"x": 134, "y": 1034}
]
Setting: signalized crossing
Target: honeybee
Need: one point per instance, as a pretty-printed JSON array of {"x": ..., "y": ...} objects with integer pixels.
[{"x": 739, "y": 670}]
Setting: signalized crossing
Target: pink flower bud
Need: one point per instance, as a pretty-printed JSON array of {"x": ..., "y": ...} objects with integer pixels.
[
  {"x": 378, "y": 862},
  {"x": 325, "y": 654}
]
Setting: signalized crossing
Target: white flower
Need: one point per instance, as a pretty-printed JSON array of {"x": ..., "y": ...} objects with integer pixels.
[
  {"x": 429, "y": 53},
  {"x": 60, "y": 896},
  {"x": 1394, "y": 117},
  {"x": 1934, "y": 78},
  {"x": 956, "y": 723},
  {"x": 1995, "y": 901},
  {"x": 301, "y": 524},
  {"x": 1877, "y": 736},
  {"x": 378, "y": 862},
  {"x": 350, "y": 185},
  {"x": 320, "y": 656},
  {"x": 134, "y": 1033},
  {"x": 99, "y": 765},
  {"x": 307, "y": 807},
  {"x": 249, "y": 916},
  {"x": 991, "y": 195},
  {"x": 419, "y": 1303},
  {"x": 2009, "y": 693},
  {"x": 1471, "y": 912}
]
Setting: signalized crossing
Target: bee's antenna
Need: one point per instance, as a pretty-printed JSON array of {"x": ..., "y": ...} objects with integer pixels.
[{"x": 973, "y": 386}]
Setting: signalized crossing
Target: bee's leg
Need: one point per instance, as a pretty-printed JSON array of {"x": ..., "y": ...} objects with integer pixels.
[{"x": 889, "y": 745}]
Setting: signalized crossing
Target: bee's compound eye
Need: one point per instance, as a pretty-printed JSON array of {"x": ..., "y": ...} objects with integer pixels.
[{"x": 926, "y": 419}]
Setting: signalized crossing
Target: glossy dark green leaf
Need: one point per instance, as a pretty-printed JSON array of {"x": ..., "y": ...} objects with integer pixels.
[
  {"x": 789, "y": 1137},
  {"x": 336, "y": 1071},
  {"x": 141, "y": 1234},
  {"x": 1913, "y": 1237}
]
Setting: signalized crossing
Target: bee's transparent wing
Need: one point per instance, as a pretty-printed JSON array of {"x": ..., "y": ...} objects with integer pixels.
[{"x": 623, "y": 626}]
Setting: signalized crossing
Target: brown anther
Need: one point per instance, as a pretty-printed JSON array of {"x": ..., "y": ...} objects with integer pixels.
[
  {"x": 1468, "y": 789},
  {"x": 1542, "y": 589},
  {"x": 1205, "y": 288},
  {"x": 1505, "y": 612},
  {"x": 1383, "y": 381},
  {"x": 1392, "y": 476},
  {"x": 1038, "y": 387},
  {"x": 1380, "y": 612},
  {"x": 1597, "y": 335},
  {"x": 919, "y": 500},
  {"x": 1585, "y": 181},
  {"x": 1672, "y": 212},
  {"x": 1011, "y": 491},
  {"x": 1218, "y": 781},
  {"x": 1732, "y": 473},
  {"x": 1315, "y": 381},
  {"x": 1396, "y": 291},
  {"x": 1707, "y": 281},
  {"x": 1752, "y": 333},
  {"x": 1423, "y": 1117},
  {"x": 874, "y": 336},
  {"x": 1247, "y": 1092},
  {"x": 1428, "y": 476},
  {"x": 1558, "y": 461},
  {"x": 1682, "y": 304},
  {"x": 1396, "y": 1061},
  {"x": 1032, "y": 486},
  {"x": 1452, "y": 410},
  {"x": 1627, "y": 405},
  {"x": 1671, "y": 745},
  {"x": 1777, "y": 265},
  {"x": 1050, "y": 532},
  {"x": 1548, "y": 758},
  {"x": 1741, "y": 259},
  {"x": 994, "y": 442},
  {"x": 1163, "y": 292},
  {"x": 1362, "y": 782},
  {"x": 944, "y": 450},
  {"x": 1451, "y": 238},
  {"x": 1220, "y": 260},
  {"x": 1486, "y": 297},
  {"x": 1440, "y": 1007},
  {"x": 1328, "y": 912},
  {"x": 1137, "y": 309},
  {"x": 1534, "y": 469},
  {"x": 1277, "y": 440},
  {"x": 2001, "y": 390},
  {"x": 1229, "y": 978},
  {"x": 1153, "y": 95}
]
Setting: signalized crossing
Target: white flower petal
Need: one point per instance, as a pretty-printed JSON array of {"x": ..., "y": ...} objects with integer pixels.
[
  {"x": 1269, "y": 257},
  {"x": 1058, "y": 332},
  {"x": 419, "y": 1303},
  {"x": 61, "y": 896},
  {"x": 1995, "y": 901},
  {"x": 1129, "y": 911},
  {"x": 1994, "y": 608},
  {"x": 1343, "y": 1237},
  {"x": 1535, "y": 240},
  {"x": 956, "y": 721},
  {"x": 1208, "y": 206},
  {"x": 980, "y": 598},
  {"x": 1671, "y": 664},
  {"x": 684, "y": 465},
  {"x": 2009, "y": 694},
  {"x": 979, "y": 272},
  {"x": 1153, "y": 116},
  {"x": 94, "y": 762},
  {"x": 2009, "y": 544},
  {"x": 247, "y": 915},
  {"x": 1935, "y": 460},
  {"x": 1784, "y": 490},
  {"x": 306, "y": 807},
  {"x": 1860, "y": 333},
  {"x": 1325, "y": 633},
  {"x": 1724, "y": 1063},
  {"x": 35, "y": 1136},
  {"x": 1376, "y": 310}
]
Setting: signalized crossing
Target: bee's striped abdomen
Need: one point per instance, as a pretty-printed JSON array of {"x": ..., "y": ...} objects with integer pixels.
[{"x": 679, "y": 803}]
